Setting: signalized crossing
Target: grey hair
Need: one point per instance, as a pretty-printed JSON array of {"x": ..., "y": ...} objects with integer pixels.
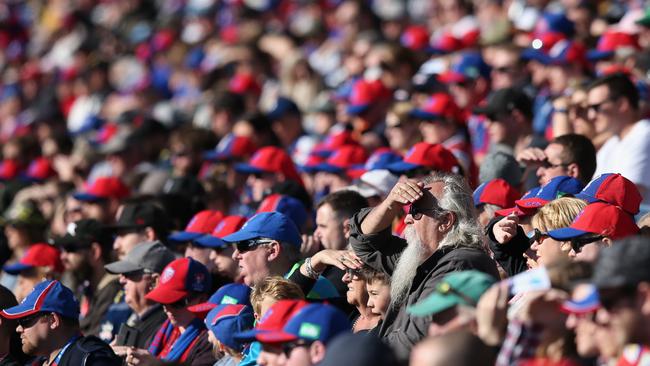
[{"x": 457, "y": 199}]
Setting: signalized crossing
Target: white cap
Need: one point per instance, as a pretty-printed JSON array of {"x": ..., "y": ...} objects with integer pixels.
[{"x": 375, "y": 183}]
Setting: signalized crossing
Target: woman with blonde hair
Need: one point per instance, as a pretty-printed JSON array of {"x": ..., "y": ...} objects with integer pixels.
[{"x": 556, "y": 214}]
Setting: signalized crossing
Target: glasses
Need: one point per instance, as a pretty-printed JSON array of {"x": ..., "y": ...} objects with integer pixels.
[
  {"x": 596, "y": 107},
  {"x": 136, "y": 276},
  {"x": 417, "y": 172},
  {"x": 536, "y": 236},
  {"x": 249, "y": 245},
  {"x": 417, "y": 212},
  {"x": 353, "y": 273},
  {"x": 578, "y": 111},
  {"x": 31, "y": 320},
  {"x": 547, "y": 165},
  {"x": 579, "y": 242},
  {"x": 288, "y": 347},
  {"x": 504, "y": 69}
]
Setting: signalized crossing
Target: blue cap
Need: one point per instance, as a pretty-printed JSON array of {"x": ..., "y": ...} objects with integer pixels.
[
  {"x": 555, "y": 22},
  {"x": 470, "y": 66},
  {"x": 47, "y": 296},
  {"x": 232, "y": 293},
  {"x": 315, "y": 322},
  {"x": 272, "y": 225},
  {"x": 282, "y": 107},
  {"x": 557, "y": 187},
  {"x": 228, "y": 319},
  {"x": 287, "y": 205}
]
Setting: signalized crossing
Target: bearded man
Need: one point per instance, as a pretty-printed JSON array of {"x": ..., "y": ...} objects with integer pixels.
[{"x": 442, "y": 235}]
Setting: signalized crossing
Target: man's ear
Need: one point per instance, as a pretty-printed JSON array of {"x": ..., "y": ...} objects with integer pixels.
[
  {"x": 346, "y": 228},
  {"x": 150, "y": 233},
  {"x": 95, "y": 252},
  {"x": 607, "y": 241},
  {"x": 154, "y": 281},
  {"x": 643, "y": 295},
  {"x": 55, "y": 320},
  {"x": 573, "y": 170},
  {"x": 447, "y": 221},
  {"x": 317, "y": 352},
  {"x": 274, "y": 251}
]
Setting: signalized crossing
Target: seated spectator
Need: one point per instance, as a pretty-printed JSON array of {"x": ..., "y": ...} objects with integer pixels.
[
  {"x": 101, "y": 198},
  {"x": 378, "y": 289},
  {"x": 401, "y": 129},
  {"x": 138, "y": 223},
  {"x": 41, "y": 261},
  {"x": 232, "y": 293},
  {"x": 224, "y": 321},
  {"x": 452, "y": 349},
  {"x": 202, "y": 223},
  {"x": 424, "y": 158},
  {"x": 287, "y": 205},
  {"x": 492, "y": 196},
  {"x": 221, "y": 253},
  {"x": 10, "y": 343}
]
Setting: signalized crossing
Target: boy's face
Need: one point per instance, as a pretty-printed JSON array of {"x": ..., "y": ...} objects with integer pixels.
[{"x": 378, "y": 297}]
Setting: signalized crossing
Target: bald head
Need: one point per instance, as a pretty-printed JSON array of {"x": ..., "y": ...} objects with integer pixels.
[{"x": 456, "y": 348}]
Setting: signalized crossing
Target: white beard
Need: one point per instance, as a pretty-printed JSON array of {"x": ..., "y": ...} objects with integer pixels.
[{"x": 406, "y": 267}]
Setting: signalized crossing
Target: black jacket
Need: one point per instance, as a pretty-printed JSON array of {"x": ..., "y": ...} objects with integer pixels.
[
  {"x": 103, "y": 297},
  {"x": 89, "y": 351},
  {"x": 382, "y": 251},
  {"x": 510, "y": 256},
  {"x": 146, "y": 327}
]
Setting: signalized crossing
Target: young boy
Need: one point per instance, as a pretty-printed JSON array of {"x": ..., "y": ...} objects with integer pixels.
[{"x": 223, "y": 322}]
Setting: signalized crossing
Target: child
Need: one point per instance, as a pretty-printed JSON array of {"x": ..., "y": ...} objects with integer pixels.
[{"x": 224, "y": 321}]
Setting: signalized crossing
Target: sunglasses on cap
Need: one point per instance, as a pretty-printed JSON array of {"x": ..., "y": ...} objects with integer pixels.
[
  {"x": 579, "y": 242},
  {"x": 252, "y": 244}
]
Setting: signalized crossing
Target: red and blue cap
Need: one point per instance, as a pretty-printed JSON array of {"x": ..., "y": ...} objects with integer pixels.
[
  {"x": 601, "y": 219},
  {"x": 47, "y": 296},
  {"x": 556, "y": 23},
  {"x": 557, "y": 187},
  {"x": 270, "y": 159},
  {"x": 272, "y": 321},
  {"x": 201, "y": 224},
  {"x": 343, "y": 159},
  {"x": 9, "y": 169},
  {"x": 226, "y": 320},
  {"x": 380, "y": 159},
  {"x": 415, "y": 37},
  {"x": 226, "y": 226},
  {"x": 181, "y": 277},
  {"x": 232, "y": 293},
  {"x": 271, "y": 225},
  {"x": 520, "y": 211},
  {"x": 38, "y": 255},
  {"x": 103, "y": 188},
  {"x": 470, "y": 66},
  {"x": 314, "y": 322},
  {"x": 425, "y": 155},
  {"x": 496, "y": 192},
  {"x": 586, "y": 303},
  {"x": 614, "y": 189},
  {"x": 231, "y": 147},
  {"x": 444, "y": 43},
  {"x": 564, "y": 52},
  {"x": 611, "y": 42},
  {"x": 542, "y": 45},
  {"x": 438, "y": 106},
  {"x": 366, "y": 92},
  {"x": 39, "y": 170},
  {"x": 244, "y": 83},
  {"x": 335, "y": 140},
  {"x": 287, "y": 205}
]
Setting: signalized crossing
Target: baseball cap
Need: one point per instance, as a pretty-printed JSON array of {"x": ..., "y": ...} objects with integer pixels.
[
  {"x": 586, "y": 302},
  {"x": 614, "y": 189},
  {"x": 623, "y": 264},
  {"x": 141, "y": 215},
  {"x": 201, "y": 224},
  {"x": 457, "y": 288},
  {"x": 541, "y": 45},
  {"x": 270, "y": 159},
  {"x": 438, "y": 106},
  {"x": 375, "y": 183},
  {"x": 496, "y": 192},
  {"x": 275, "y": 318},
  {"x": 47, "y": 296},
  {"x": 226, "y": 320},
  {"x": 554, "y": 22},
  {"x": 344, "y": 158},
  {"x": 25, "y": 214},
  {"x": 227, "y": 226},
  {"x": 272, "y": 225},
  {"x": 39, "y": 170},
  {"x": 232, "y": 293},
  {"x": 555, "y": 188},
  {"x": 564, "y": 52},
  {"x": 500, "y": 165},
  {"x": 504, "y": 101},
  {"x": 415, "y": 37},
  {"x": 601, "y": 219},
  {"x": 611, "y": 42},
  {"x": 103, "y": 188},
  {"x": 181, "y": 277},
  {"x": 425, "y": 155},
  {"x": 380, "y": 159},
  {"x": 282, "y": 107},
  {"x": 82, "y": 233},
  {"x": 336, "y": 139},
  {"x": 231, "y": 147},
  {"x": 287, "y": 205},
  {"x": 150, "y": 256},
  {"x": 520, "y": 211},
  {"x": 9, "y": 169},
  {"x": 243, "y": 83},
  {"x": 364, "y": 93},
  {"x": 314, "y": 322},
  {"x": 470, "y": 66},
  {"x": 444, "y": 43},
  {"x": 38, "y": 255}
]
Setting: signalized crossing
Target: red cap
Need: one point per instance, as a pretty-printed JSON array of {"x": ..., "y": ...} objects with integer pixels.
[
  {"x": 439, "y": 106},
  {"x": 601, "y": 219},
  {"x": 244, "y": 82},
  {"x": 611, "y": 41},
  {"x": 614, "y": 189},
  {"x": 496, "y": 192},
  {"x": 415, "y": 37},
  {"x": 432, "y": 156},
  {"x": 40, "y": 169},
  {"x": 103, "y": 188},
  {"x": 201, "y": 223},
  {"x": 9, "y": 169},
  {"x": 270, "y": 159},
  {"x": 345, "y": 158},
  {"x": 228, "y": 225},
  {"x": 277, "y": 317},
  {"x": 334, "y": 141},
  {"x": 366, "y": 92},
  {"x": 38, "y": 255},
  {"x": 178, "y": 279}
]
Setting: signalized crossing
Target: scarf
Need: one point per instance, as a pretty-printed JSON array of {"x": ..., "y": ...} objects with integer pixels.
[{"x": 168, "y": 334}]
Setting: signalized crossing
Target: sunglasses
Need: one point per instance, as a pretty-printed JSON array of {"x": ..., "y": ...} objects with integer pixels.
[
  {"x": 136, "y": 276},
  {"x": 417, "y": 212},
  {"x": 504, "y": 69},
  {"x": 536, "y": 236},
  {"x": 547, "y": 165},
  {"x": 596, "y": 107},
  {"x": 579, "y": 242},
  {"x": 288, "y": 347},
  {"x": 31, "y": 320},
  {"x": 417, "y": 172},
  {"x": 250, "y": 245},
  {"x": 353, "y": 273}
]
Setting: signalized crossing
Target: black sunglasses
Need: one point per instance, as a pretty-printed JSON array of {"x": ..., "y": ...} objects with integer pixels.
[
  {"x": 249, "y": 245},
  {"x": 288, "y": 347},
  {"x": 536, "y": 236},
  {"x": 547, "y": 165},
  {"x": 417, "y": 172},
  {"x": 31, "y": 320},
  {"x": 596, "y": 107},
  {"x": 417, "y": 212},
  {"x": 579, "y": 242}
]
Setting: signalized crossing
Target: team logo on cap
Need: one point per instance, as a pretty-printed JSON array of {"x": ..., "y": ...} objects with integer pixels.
[
  {"x": 72, "y": 228},
  {"x": 167, "y": 275},
  {"x": 229, "y": 300},
  {"x": 220, "y": 226},
  {"x": 309, "y": 330},
  {"x": 199, "y": 279}
]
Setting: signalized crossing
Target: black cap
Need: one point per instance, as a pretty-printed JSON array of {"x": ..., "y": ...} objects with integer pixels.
[
  {"x": 141, "y": 215},
  {"x": 82, "y": 234},
  {"x": 505, "y": 101},
  {"x": 283, "y": 106},
  {"x": 623, "y": 264}
]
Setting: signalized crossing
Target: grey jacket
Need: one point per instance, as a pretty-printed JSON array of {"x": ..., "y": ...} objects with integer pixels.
[{"x": 382, "y": 250}]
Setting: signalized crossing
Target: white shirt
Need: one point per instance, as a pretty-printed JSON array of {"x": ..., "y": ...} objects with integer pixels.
[{"x": 629, "y": 156}]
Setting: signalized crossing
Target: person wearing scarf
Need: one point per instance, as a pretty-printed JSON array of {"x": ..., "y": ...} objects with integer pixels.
[{"x": 182, "y": 338}]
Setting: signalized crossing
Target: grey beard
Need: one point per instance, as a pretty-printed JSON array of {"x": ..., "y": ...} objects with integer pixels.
[{"x": 406, "y": 267}]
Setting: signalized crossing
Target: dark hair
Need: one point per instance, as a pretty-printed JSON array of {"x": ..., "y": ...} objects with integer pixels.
[
  {"x": 619, "y": 85},
  {"x": 345, "y": 203},
  {"x": 580, "y": 150},
  {"x": 231, "y": 103},
  {"x": 372, "y": 275}
]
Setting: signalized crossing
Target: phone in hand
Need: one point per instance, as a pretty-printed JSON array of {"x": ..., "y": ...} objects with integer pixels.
[{"x": 127, "y": 336}]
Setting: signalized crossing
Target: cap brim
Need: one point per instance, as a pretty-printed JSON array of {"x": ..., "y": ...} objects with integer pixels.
[
  {"x": 201, "y": 310},
  {"x": 595, "y": 55},
  {"x": 402, "y": 166},
  {"x": 249, "y": 335},
  {"x": 122, "y": 266},
  {"x": 451, "y": 77},
  {"x": 325, "y": 167},
  {"x": 240, "y": 236},
  {"x": 164, "y": 295},
  {"x": 247, "y": 169},
  {"x": 566, "y": 233},
  {"x": 511, "y": 211},
  {"x": 210, "y": 241},
  {"x": 357, "y": 109},
  {"x": 276, "y": 337},
  {"x": 183, "y": 236},
  {"x": 532, "y": 54},
  {"x": 19, "y": 311},
  {"x": 433, "y": 304},
  {"x": 586, "y": 197},
  {"x": 87, "y": 197},
  {"x": 215, "y": 156},
  {"x": 308, "y": 169},
  {"x": 420, "y": 114},
  {"x": 531, "y": 203},
  {"x": 487, "y": 110},
  {"x": 15, "y": 269}
]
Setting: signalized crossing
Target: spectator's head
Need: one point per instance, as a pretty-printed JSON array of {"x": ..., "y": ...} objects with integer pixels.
[
  {"x": 439, "y": 118},
  {"x": 140, "y": 271},
  {"x": 333, "y": 217},
  {"x": 24, "y": 226},
  {"x": 232, "y": 293},
  {"x": 101, "y": 198},
  {"x": 356, "y": 295},
  {"x": 41, "y": 261},
  {"x": 48, "y": 314},
  {"x": 509, "y": 112},
  {"x": 345, "y": 350},
  {"x": 500, "y": 165},
  {"x": 223, "y": 322},
  {"x": 202, "y": 223},
  {"x": 7, "y": 326},
  {"x": 452, "y": 349},
  {"x": 287, "y": 205},
  {"x": 613, "y": 103},
  {"x": 424, "y": 158},
  {"x": 137, "y": 223},
  {"x": 227, "y": 107},
  {"x": 492, "y": 196},
  {"x": 378, "y": 289},
  {"x": 507, "y": 69},
  {"x": 221, "y": 252},
  {"x": 614, "y": 189},
  {"x": 557, "y": 214},
  {"x": 186, "y": 146},
  {"x": 443, "y": 217},
  {"x": 468, "y": 80},
  {"x": 268, "y": 244},
  {"x": 268, "y": 166},
  {"x": 286, "y": 120},
  {"x": 271, "y": 290},
  {"x": 401, "y": 130},
  {"x": 572, "y": 154}
]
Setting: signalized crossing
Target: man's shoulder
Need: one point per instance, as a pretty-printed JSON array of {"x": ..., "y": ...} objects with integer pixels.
[
  {"x": 465, "y": 258},
  {"x": 91, "y": 350}
]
